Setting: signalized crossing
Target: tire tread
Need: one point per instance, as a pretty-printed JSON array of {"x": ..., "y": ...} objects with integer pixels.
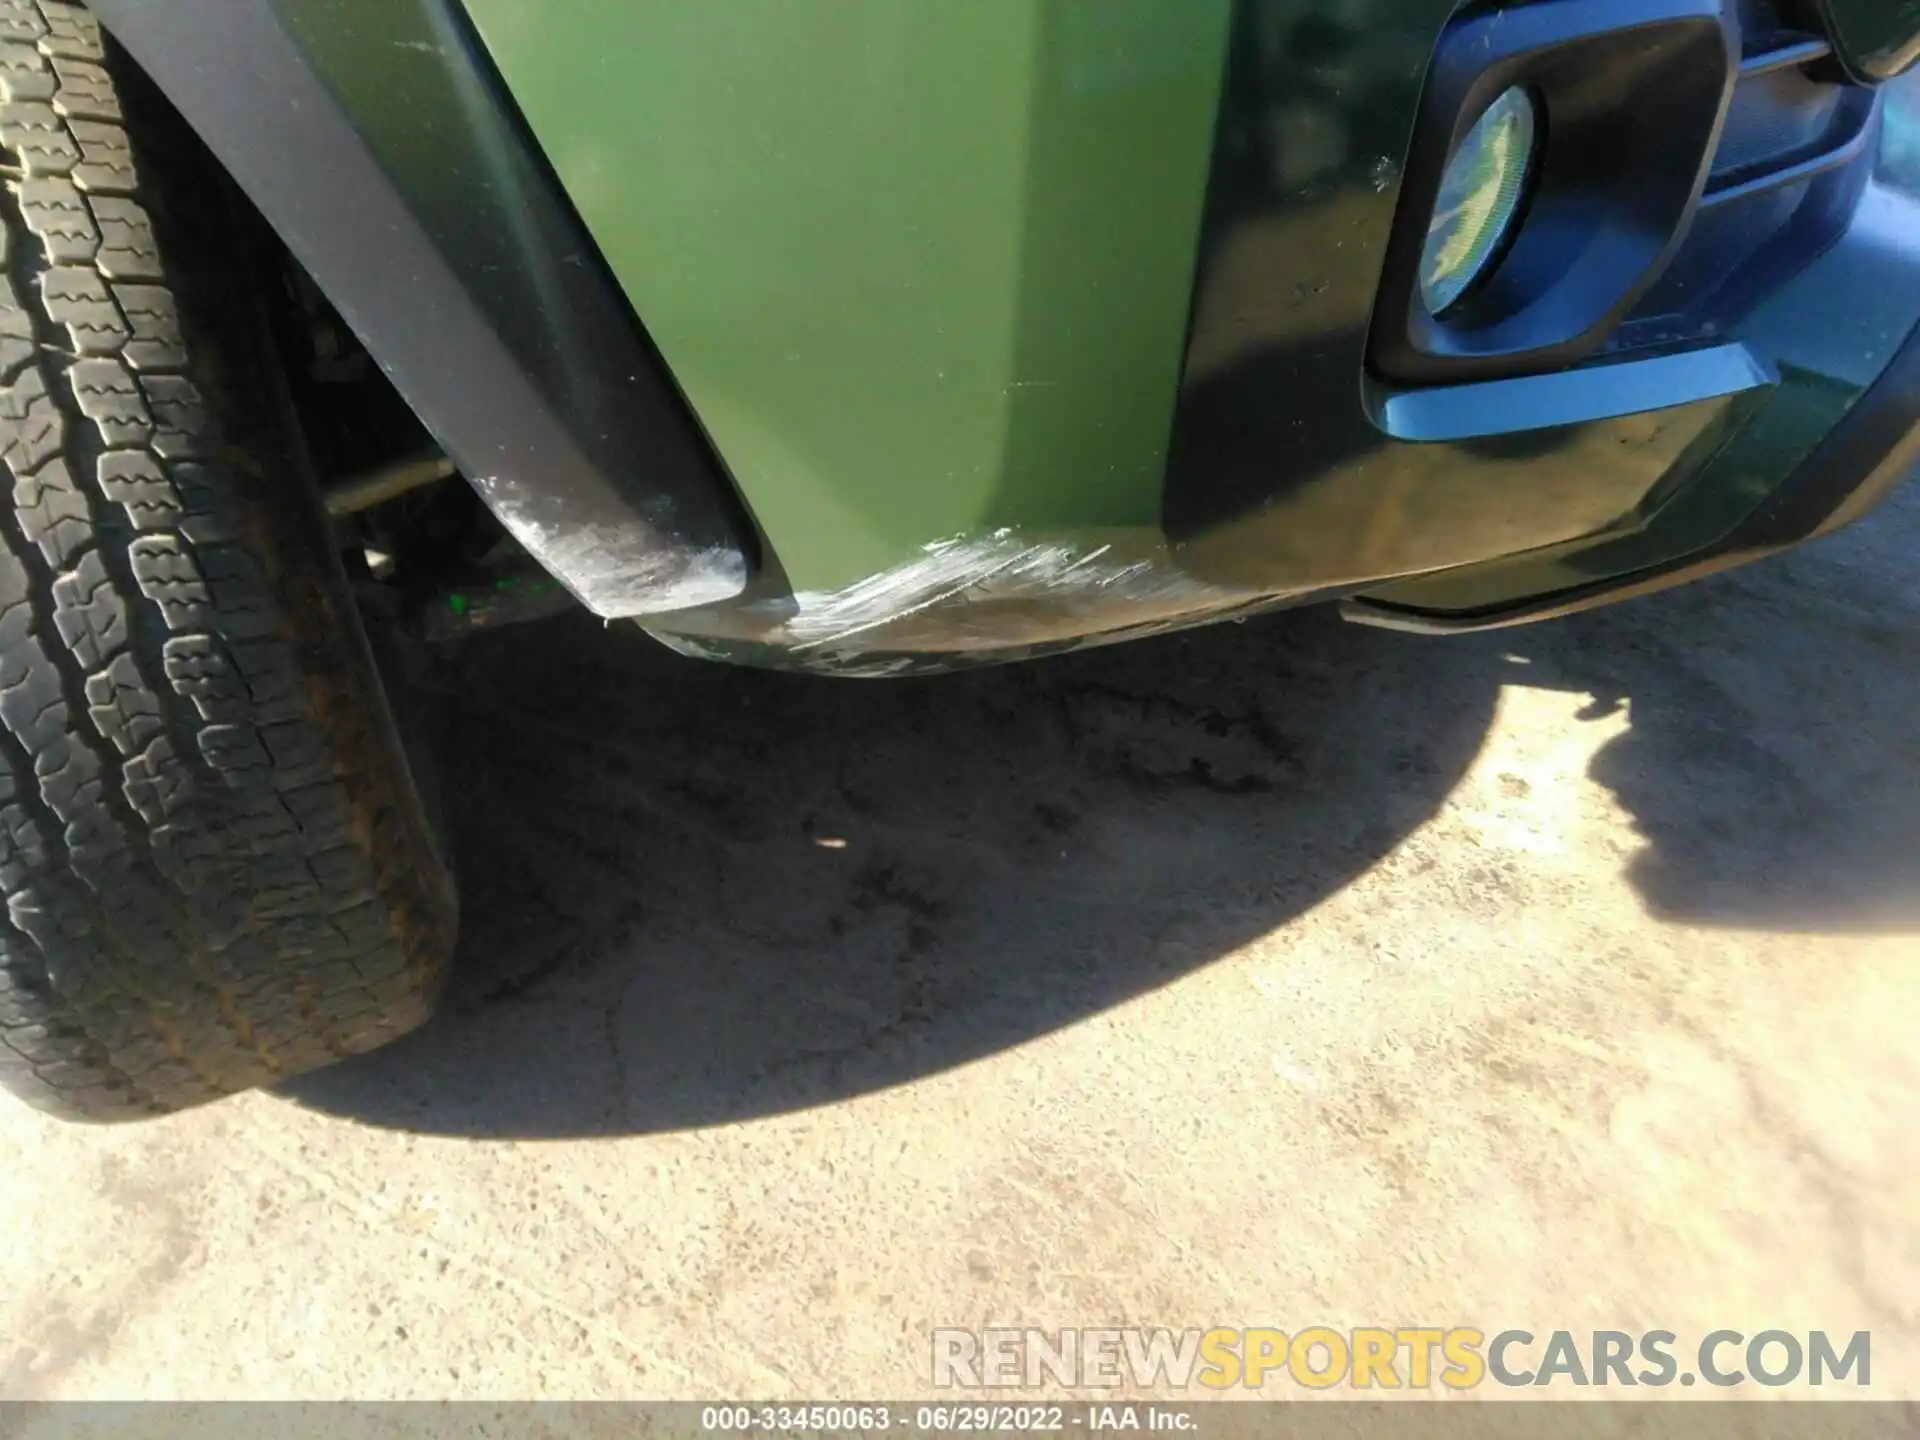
[{"x": 214, "y": 868}]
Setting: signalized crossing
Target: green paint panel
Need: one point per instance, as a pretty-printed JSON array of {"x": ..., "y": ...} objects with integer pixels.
[{"x": 922, "y": 267}]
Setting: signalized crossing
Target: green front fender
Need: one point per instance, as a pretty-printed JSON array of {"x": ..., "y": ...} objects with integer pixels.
[{"x": 923, "y": 270}]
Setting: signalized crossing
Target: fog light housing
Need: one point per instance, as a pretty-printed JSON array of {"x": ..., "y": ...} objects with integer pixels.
[{"x": 1482, "y": 194}]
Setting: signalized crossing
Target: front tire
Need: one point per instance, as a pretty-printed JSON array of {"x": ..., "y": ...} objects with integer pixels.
[{"x": 215, "y": 865}]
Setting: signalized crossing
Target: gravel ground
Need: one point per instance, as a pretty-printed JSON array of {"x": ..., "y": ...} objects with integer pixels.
[{"x": 1282, "y": 973}]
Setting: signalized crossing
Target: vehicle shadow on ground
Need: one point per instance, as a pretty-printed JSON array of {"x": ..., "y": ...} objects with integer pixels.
[
  {"x": 1772, "y": 760},
  {"x": 694, "y": 894}
]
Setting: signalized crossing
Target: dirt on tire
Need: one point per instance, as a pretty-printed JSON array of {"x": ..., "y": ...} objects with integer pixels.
[{"x": 215, "y": 867}]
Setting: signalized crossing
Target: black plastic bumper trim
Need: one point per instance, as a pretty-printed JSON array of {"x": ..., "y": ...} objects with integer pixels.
[
  {"x": 1745, "y": 184},
  {"x": 1868, "y": 454},
  {"x": 1635, "y": 93},
  {"x": 1876, "y": 41},
  {"x": 378, "y": 143}
]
